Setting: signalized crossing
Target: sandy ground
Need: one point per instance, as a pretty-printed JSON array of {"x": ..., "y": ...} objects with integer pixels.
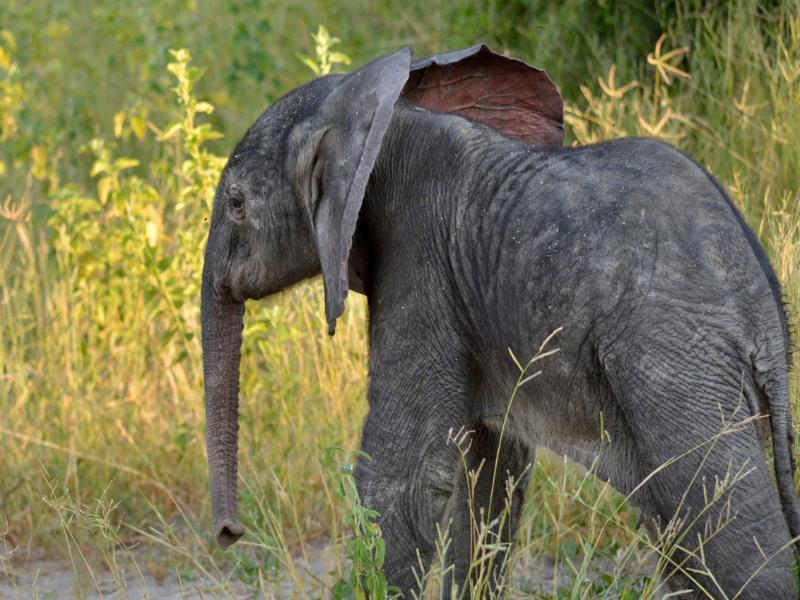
[
  {"x": 50, "y": 579},
  {"x": 47, "y": 579},
  {"x": 53, "y": 579}
]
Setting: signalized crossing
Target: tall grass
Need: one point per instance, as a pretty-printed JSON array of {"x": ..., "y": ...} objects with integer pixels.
[{"x": 100, "y": 253}]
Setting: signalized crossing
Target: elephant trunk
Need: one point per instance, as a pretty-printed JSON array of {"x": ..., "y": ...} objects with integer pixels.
[{"x": 222, "y": 323}]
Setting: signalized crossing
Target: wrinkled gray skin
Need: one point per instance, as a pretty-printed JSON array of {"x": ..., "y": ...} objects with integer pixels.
[{"x": 469, "y": 243}]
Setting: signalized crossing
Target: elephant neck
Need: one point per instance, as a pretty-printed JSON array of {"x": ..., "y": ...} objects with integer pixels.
[{"x": 427, "y": 163}]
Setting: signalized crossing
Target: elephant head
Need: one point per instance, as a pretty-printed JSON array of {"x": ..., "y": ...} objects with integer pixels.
[{"x": 289, "y": 197}]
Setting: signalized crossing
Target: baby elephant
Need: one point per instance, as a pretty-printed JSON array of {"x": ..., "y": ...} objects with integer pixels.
[{"x": 440, "y": 191}]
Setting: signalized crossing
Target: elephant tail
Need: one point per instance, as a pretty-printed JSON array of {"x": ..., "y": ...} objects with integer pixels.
[{"x": 777, "y": 393}]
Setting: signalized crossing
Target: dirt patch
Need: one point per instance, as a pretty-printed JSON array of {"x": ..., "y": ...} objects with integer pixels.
[{"x": 56, "y": 580}]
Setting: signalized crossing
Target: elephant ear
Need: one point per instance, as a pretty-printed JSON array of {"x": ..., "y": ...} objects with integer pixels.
[
  {"x": 334, "y": 153},
  {"x": 506, "y": 94}
]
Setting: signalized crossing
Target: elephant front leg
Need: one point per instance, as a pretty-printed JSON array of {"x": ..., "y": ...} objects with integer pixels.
[
  {"x": 485, "y": 509},
  {"x": 470, "y": 488},
  {"x": 412, "y": 469}
]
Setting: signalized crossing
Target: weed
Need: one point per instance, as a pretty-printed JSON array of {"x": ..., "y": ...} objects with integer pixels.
[{"x": 366, "y": 550}]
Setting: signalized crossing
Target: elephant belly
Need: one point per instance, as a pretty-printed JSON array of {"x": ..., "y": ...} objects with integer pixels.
[{"x": 574, "y": 418}]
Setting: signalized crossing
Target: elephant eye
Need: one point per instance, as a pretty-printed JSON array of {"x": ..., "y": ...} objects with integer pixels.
[{"x": 236, "y": 199}]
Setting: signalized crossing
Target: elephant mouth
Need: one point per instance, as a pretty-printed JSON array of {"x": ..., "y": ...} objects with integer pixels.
[
  {"x": 224, "y": 293},
  {"x": 229, "y": 286}
]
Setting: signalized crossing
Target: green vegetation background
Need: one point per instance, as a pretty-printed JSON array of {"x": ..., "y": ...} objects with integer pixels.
[{"x": 109, "y": 150}]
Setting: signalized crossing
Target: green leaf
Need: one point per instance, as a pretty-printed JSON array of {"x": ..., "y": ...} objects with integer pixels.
[
  {"x": 180, "y": 54},
  {"x": 339, "y": 57},
  {"x": 98, "y": 167},
  {"x": 139, "y": 126},
  {"x": 104, "y": 189},
  {"x": 183, "y": 355},
  {"x": 170, "y": 132},
  {"x": 310, "y": 63},
  {"x": 125, "y": 163},
  {"x": 119, "y": 121}
]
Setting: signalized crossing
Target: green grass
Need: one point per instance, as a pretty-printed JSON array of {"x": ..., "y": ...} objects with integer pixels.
[{"x": 106, "y": 180}]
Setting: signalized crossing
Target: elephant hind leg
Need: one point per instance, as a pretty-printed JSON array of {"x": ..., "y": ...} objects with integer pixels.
[{"x": 704, "y": 475}]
